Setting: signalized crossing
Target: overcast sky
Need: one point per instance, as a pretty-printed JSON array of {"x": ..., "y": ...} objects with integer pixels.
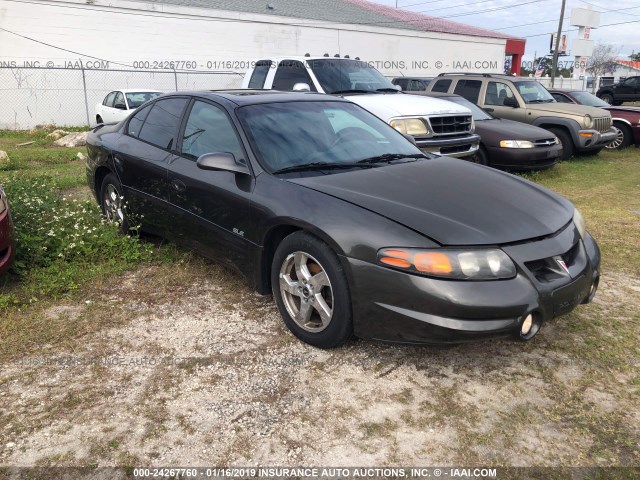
[{"x": 625, "y": 38}]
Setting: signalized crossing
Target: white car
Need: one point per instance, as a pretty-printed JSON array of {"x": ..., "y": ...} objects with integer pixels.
[{"x": 117, "y": 105}]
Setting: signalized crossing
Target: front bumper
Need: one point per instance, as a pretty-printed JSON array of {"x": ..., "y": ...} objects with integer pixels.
[
  {"x": 592, "y": 139},
  {"x": 394, "y": 306},
  {"x": 524, "y": 158},
  {"x": 458, "y": 147},
  {"x": 7, "y": 248}
]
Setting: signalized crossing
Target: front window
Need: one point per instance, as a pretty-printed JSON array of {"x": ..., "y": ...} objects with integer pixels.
[
  {"x": 533, "y": 92},
  {"x": 342, "y": 134},
  {"x": 135, "y": 99},
  {"x": 343, "y": 76},
  {"x": 590, "y": 100}
]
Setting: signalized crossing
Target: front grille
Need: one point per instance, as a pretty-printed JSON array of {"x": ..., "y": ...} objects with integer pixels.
[
  {"x": 548, "y": 269},
  {"x": 545, "y": 142},
  {"x": 602, "y": 124},
  {"x": 451, "y": 125}
]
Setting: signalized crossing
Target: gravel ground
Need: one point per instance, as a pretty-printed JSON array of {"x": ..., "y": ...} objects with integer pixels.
[{"x": 207, "y": 375}]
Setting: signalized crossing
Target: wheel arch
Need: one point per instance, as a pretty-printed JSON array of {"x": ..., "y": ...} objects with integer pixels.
[
  {"x": 571, "y": 126},
  {"x": 99, "y": 176},
  {"x": 274, "y": 236}
]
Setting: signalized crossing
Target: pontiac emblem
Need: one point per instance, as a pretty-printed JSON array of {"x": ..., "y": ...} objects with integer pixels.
[{"x": 563, "y": 264}]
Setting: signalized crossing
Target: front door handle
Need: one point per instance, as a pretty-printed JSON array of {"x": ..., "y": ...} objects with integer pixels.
[{"x": 178, "y": 186}]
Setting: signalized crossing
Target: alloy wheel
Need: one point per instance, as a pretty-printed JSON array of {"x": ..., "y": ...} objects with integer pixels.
[
  {"x": 306, "y": 292},
  {"x": 618, "y": 141},
  {"x": 113, "y": 204}
]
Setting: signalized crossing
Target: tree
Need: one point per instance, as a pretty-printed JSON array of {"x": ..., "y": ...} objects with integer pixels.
[
  {"x": 603, "y": 60},
  {"x": 635, "y": 56}
]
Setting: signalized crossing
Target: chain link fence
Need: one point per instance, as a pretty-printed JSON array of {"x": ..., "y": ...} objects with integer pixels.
[{"x": 68, "y": 97}]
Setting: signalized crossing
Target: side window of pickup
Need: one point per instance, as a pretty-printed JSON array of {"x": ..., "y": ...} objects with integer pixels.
[
  {"x": 259, "y": 75},
  {"x": 289, "y": 73}
]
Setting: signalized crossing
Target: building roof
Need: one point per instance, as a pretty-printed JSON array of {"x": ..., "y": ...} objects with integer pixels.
[
  {"x": 630, "y": 63},
  {"x": 357, "y": 12}
]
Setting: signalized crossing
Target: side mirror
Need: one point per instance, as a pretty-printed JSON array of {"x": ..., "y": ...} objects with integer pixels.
[
  {"x": 398, "y": 88},
  {"x": 510, "y": 102},
  {"x": 301, "y": 87},
  {"x": 120, "y": 106},
  {"x": 222, "y": 162}
]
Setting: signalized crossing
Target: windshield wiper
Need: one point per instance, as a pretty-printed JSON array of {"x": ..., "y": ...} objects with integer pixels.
[
  {"x": 386, "y": 89},
  {"x": 548, "y": 100},
  {"x": 343, "y": 92},
  {"x": 318, "y": 166},
  {"x": 390, "y": 157}
]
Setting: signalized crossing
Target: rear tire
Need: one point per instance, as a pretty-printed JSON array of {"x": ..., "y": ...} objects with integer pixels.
[
  {"x": 566, "y": 141},
  {"x": 311, "y": 291},
  {"x": 623, "y": 137},
  {"x": 112, "y": 202},
  {"x": 607, "y": 97}
]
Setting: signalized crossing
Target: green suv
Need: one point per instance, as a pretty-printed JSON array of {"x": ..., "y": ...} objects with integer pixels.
[{"x": 580, "y": 129}]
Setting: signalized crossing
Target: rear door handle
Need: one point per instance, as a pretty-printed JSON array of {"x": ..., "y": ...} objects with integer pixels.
[{"x": 178, "y": 186}]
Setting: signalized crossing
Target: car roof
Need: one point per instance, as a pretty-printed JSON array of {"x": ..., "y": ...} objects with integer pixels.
[
  {"x": 302, "y": 58},
  {"x": 414, "y": 78},
  {"x": 499, "y": 76},
  {"x": 243, "y": 97}
]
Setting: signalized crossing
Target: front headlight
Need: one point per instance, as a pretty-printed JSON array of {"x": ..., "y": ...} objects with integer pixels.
[
  {"x": 455, "y": 264},
  {"x": 516, "y": 144},
  {"x": 410, "y": 126},
  {"x": 588, "y": 121},
  {"x": 578, "y": 220}
]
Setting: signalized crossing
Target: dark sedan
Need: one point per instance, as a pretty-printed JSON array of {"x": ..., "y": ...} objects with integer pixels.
[
  {"x": 506, "y": 143},
  {"x": 351, "y": 227},
  {"x": 626, "y": 120},
  {"x": 7, "y": 249}
]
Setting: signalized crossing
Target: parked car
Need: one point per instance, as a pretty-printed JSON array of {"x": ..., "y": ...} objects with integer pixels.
[
  {"x": 119, "y": 104},
  {"x": 350, "y": 226},
  {"x": 627, "y": 90},
  {"x": 580, "y": 129},
  {"x": 437, "y": 126},
  {"x": 7, "y": 249},
  {"x": 508, "y": 144},
  {"x": 412, "y": 84},
  {"x": 626, "y": 120}
]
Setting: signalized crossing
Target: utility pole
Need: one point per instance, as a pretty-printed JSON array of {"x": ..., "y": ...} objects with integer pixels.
[{"x": 554, "y": 66}]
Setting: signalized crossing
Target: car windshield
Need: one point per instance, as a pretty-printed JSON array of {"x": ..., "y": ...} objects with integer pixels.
[
  {"x": 533, "y": 92},
  {"x": 589, "y": 99},
  {"x": 135, "y": 99},
  {"x": 477, "y": 112},
  {"x": 340, "y": 75},
  {"x": 296, "y": 135}
]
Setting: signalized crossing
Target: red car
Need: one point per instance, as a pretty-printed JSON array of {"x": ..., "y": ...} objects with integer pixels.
[
  {"x": 626, "y": 120},
  {"x": 6, "y": 234}
]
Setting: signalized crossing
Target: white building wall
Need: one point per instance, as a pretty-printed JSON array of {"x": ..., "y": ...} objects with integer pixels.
[{"x": 138, "y": 35}]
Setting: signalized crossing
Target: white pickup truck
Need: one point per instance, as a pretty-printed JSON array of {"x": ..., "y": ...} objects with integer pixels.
[{"x": 437, "y": 126}]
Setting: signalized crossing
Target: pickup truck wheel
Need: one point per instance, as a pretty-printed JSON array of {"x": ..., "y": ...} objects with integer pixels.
[
  {"x": 566, "y": 141},
  {"x": 480, "y": 157},
  {"x": 607, "y": 97},
  {"x": 623, "y": 136}
]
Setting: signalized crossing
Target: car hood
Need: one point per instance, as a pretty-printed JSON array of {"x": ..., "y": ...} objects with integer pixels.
[
  {"x": 391, "y": 105},
  {"x": 613, "y": 109},
  {"x": 509, "y": 130},
  {"x": 451, "y": 201},
  {"x": 568, "y": 108}
]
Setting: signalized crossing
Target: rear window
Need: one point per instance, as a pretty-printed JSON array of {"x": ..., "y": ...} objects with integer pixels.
[
  {"x": 161, "y": 125},
  {"x": 259, "y": 75},
  {"x": 441, "y": 86},
  {"x": 469, "y": 89}
]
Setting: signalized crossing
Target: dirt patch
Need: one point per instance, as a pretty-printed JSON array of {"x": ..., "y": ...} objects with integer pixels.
[{"x": 203, "y": 372}]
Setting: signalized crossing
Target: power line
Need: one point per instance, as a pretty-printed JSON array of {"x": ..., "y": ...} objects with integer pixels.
[{"x": 575, "y": 29}]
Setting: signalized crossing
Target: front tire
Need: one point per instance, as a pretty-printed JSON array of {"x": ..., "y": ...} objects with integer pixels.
[
  {"x": 480, "y": 157},
  {"x": 112, "y": 202},
  {"x": 311, "y": 290},
  {"x": 623, "y": 137},
  {"x": 566, "y": 141}
]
